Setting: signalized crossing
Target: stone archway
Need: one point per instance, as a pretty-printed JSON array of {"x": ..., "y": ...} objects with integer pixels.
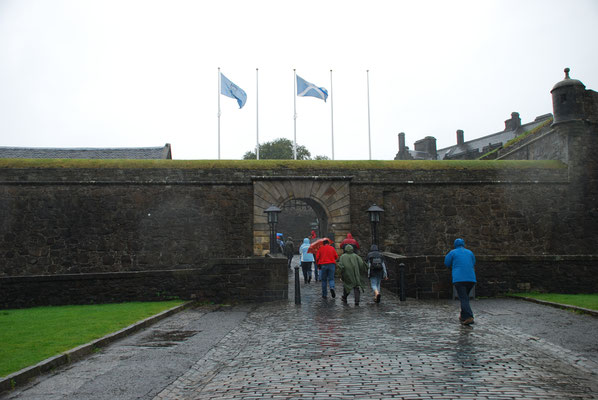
[{"x": 328, "y": 196}]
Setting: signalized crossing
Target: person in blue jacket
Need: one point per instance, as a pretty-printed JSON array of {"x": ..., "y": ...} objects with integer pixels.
[
  {"x": 462, "y": 262},
  {"x": 307, "y": 260}
]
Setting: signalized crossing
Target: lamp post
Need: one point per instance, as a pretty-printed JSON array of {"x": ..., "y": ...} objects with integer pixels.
[
  {"x": 273, "y": 212},
  {"x": 375, "y": 212}
]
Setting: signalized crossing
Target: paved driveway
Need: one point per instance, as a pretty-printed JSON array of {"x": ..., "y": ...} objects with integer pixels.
[{"x": 324, "y": 349}]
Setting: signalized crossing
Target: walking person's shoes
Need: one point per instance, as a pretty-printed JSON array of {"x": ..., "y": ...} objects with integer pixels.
[
  {"x": 467, "y": 321},
  {"x": 378, "y": 298},
  {"x": 332, "y": 293},
  {"x": 344, "y": 298}
]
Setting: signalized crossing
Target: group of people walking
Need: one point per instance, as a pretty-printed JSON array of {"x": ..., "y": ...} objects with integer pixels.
[{"x": 353, "y": 269}]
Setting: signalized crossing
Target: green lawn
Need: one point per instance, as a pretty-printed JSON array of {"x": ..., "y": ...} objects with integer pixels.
[
  {"x": 589, "y": 301},
  {"x": 28, "y": 336}
]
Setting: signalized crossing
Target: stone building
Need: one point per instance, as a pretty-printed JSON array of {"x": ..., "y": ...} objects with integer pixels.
[
  {"x": 125, "y": 153},
  {"x": 425, "y": 149},
  {"x": 571, "y": 102}
]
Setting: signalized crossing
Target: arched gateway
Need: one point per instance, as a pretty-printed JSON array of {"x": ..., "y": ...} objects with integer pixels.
[{"x": 328, "y": 196}]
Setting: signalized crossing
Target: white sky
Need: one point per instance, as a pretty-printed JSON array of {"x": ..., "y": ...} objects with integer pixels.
[{"x": 128, "y": 73}]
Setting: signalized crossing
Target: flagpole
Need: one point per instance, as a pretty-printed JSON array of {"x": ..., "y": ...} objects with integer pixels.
[
  {"x": 331, "y": 115},
  {"x": 295, "y": 113},
  {"x": 257, "y": 118},
  {"x": 219, "y": 89},
  {"x": 369, "y": 131}
]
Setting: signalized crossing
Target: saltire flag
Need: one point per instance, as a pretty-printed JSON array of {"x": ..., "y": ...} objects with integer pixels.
[
  {"x": 231, "y": 90},
  {"x": 304, "y": 88}
]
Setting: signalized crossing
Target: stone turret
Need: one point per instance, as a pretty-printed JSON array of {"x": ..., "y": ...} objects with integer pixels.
[
  {"x": 568, "y": 98},
  {"x": 575, "y": 112}
]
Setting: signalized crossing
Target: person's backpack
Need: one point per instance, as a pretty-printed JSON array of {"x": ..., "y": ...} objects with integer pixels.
[{"x": 376, "y": 263}]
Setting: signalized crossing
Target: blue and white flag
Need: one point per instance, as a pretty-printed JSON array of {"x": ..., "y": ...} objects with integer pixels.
[
  {"x": 304, "y": 88},
  {"x": 231, "y": 90}
]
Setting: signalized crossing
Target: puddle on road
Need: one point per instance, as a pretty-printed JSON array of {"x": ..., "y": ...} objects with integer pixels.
[{"x": 166, "y": 338}]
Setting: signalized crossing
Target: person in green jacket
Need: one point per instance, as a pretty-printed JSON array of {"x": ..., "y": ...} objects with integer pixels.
[{"x": 351, "y": 267}]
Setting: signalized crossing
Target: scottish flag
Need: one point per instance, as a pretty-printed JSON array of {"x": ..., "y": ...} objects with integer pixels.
[
  {"x": 304, "y": 88},
  {"x": 231, "y": 90}
]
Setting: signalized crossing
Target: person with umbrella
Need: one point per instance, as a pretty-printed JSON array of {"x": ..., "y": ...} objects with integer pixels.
[
  {"x": 280, "y": 242},
  {"x": 313, "y": 249},
  {"x": 326, "y": 259}
]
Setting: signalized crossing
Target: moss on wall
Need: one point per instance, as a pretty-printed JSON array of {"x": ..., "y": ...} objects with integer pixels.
[{"x": 282, "y": 164}]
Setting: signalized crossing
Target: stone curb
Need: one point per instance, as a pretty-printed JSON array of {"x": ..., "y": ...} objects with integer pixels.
[
  {"x": 23, "y": 376},
  {"x": 559, "y": 305}
]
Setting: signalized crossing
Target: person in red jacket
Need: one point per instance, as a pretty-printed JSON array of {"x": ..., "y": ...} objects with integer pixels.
[
  {"x": 326, "y": 260},
  {"x": 350, "y": 240}
]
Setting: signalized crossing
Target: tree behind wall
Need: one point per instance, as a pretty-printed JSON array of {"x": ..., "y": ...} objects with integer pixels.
[{"x": 279, "y": 149}]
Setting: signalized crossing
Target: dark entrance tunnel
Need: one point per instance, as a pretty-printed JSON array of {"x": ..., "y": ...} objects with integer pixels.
[{"x": 299, "y": 217}]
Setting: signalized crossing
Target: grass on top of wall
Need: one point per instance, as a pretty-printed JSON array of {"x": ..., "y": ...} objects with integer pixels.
[
  {"x": 519, "y": 138},
  {"x": 282, "y": 164},
  {"x": 28, "y": 336}
]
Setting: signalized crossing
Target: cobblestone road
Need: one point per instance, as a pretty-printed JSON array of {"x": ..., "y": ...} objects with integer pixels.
[{"x": 325, "y": 349}]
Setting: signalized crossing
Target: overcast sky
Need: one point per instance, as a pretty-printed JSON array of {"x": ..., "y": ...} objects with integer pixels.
[{"x": 128, "y": 73}]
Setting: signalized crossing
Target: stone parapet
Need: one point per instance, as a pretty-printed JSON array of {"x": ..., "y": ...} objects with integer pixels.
[
  {"x": 219, "y": 281},
  {"x": 428, "y": 278}
]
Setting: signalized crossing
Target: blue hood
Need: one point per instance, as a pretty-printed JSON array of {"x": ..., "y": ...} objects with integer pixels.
[
  {"x": 459, "y": 243},
  {"x": 306, "y": 241}
]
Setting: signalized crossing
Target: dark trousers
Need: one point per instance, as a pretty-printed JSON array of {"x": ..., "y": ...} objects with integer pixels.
[
  {"x": 356, "y": 294},
  {"x": 463, "y": 289},
  {"x": 306, "y": 267}
]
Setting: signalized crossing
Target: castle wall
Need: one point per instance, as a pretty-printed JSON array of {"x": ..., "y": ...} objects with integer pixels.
[
  {"x": 220, "y": 281},
  {"x": 79, "y": 220},
  {"x": 86, "y": 228}
]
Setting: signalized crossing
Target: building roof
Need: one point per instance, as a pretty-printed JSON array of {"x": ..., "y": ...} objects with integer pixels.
[
  {"x": 135, "y": 153},
  {"x": 498, "y": 138}
]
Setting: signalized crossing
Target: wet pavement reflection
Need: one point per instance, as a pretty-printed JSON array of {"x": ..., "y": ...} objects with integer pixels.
[{"x": 324, "y": 348}]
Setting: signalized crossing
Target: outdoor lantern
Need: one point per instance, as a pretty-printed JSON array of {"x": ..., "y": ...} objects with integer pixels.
[
  {"x": 374, "y": 212},
  {"x": 272, "y": 212}
]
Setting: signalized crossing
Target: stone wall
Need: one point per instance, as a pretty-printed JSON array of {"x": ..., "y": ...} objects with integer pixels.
[
  {"x": 77, "y": 220},
  {"x": 219, "y": 281},
  {"x": 427, "y": 277},
  {"x": 494, "y": 217},
  {"x": 179, "y": 216},
  {"x": 84, "y": 228}
]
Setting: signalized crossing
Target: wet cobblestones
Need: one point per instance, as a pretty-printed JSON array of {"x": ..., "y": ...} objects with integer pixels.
[{"x": 324, "y": 349}]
